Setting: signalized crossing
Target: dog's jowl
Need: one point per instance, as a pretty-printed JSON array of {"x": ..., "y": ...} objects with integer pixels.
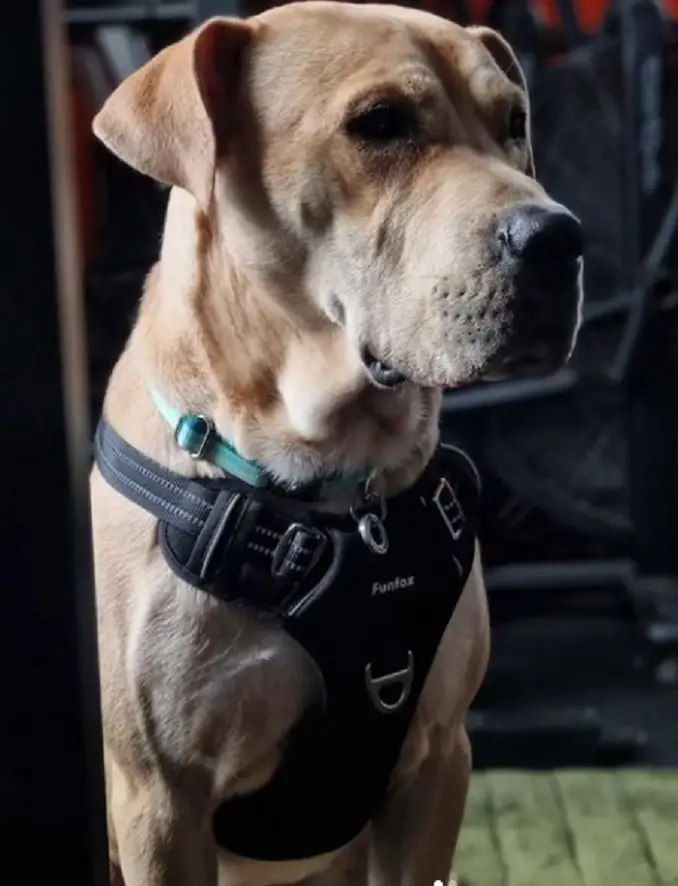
[{"x": 292, "y": 619}]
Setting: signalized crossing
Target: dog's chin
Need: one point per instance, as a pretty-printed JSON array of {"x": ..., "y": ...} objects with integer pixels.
[
  {"x": 537, "y": 362},
  {"x": 518, "y": 356},
  {"x": 381, "y": 373}
]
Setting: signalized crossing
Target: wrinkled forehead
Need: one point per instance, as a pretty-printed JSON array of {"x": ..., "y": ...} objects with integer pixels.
[{"x": 330, "y": 55}]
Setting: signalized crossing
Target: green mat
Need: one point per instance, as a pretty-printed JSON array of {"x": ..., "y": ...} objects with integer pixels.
[{"x": 570, "y": 828}]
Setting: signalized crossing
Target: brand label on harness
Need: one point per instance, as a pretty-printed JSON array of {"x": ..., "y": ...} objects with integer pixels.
[{"x": 396, "y": 584}]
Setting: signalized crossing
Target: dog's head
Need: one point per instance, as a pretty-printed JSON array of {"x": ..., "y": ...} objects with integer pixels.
[{"x": 378, "y": 160}]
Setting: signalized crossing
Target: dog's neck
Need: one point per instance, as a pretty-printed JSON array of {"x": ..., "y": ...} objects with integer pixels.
[{"x": 280, "y": 381}]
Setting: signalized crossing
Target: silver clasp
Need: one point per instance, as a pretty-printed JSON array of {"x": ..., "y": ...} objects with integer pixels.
[{"x": 370, "y": 524}]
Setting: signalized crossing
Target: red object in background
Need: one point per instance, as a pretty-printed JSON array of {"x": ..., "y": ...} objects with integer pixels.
[{"x": 589, "y": 13}]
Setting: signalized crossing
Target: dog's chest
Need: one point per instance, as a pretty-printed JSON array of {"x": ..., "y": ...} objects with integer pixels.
[
  {"x": 364, "y": 599},
  {"x": 371, "y": 625}
]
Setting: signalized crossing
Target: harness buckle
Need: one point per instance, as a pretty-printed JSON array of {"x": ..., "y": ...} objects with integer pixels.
[
  {"x": 193, "y": 434},
  {"x": 293, "y": 554},
  {"x": 370, "y": 525}
]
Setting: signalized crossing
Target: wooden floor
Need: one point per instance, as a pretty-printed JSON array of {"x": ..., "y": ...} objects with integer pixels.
[{"x": 571, "y": 828}]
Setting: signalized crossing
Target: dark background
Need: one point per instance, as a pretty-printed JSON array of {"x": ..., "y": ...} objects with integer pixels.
[{"x": 580, "y": 471}]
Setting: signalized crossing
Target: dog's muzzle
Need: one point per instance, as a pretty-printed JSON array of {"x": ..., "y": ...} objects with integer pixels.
[{"x": 541, "y": 248}]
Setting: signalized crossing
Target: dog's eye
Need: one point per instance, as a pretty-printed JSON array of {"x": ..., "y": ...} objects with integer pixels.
[
  {"x": 517, "y": 125},
  {"x": 385, "y": 122}
]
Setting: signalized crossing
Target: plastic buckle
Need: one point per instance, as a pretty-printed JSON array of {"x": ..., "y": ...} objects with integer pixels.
[{"x": 293, "y": 547}]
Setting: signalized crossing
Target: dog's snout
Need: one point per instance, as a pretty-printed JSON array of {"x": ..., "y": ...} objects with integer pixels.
[{"x": 538, "y": 234}]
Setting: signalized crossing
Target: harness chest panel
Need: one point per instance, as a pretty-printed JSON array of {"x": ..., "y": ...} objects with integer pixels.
[{"x": 371, "y": 622}]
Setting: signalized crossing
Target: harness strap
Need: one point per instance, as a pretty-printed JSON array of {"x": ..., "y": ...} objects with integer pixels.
[
  {"x": 175, "y": 500},
  {"x": 209, "y": 530}
]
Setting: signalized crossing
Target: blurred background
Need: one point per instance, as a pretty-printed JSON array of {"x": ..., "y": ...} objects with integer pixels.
[
  {"x": 581, "y": 477},
  {"x": 580, "y": 526}
]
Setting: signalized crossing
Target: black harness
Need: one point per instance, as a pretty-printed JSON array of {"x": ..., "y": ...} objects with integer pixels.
[{"x": 367, "y": 595}]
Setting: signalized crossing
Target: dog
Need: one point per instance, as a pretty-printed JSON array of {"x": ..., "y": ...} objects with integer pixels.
[{"x": 353, "y": 226}]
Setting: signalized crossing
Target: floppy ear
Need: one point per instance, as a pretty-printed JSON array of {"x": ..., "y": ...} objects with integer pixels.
[
  {"x": 168, "y": 119},
  {"x": 508, "y": 63}
]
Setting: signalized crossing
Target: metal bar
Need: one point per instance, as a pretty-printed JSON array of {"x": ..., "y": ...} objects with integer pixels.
[
  {"x": 205, "y": 9},
  {"x": 568, "y": 20},
  {"x": 634, "y": 300},
  {"x": 646, "y": 185},
  {"x": 508, "y": 392},
  {"x": 129, "y": 13},
  {"x": 52, "y": 811},
  {"x": 567, "y": 575}
]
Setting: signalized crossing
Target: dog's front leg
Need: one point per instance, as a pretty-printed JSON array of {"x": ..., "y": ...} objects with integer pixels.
[
  {"x": 416, "y": 835},
  {"x": 349, "y": 868},
  {"x": 164, "y": 838}
]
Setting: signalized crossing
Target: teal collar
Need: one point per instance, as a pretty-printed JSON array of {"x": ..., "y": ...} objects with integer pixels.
[{"x": 196, "y": 435}]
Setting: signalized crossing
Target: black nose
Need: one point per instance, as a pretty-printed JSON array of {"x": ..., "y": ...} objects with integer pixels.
[{"x": 541, "y": 235}]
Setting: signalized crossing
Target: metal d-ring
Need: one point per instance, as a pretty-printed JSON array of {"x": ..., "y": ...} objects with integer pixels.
[
  {"x": 402, "y": 679},
  {"x": 370, "y": 524}
]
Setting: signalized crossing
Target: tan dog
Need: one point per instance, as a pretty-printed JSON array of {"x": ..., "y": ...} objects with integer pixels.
[{"x": 354, "y": 225}]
